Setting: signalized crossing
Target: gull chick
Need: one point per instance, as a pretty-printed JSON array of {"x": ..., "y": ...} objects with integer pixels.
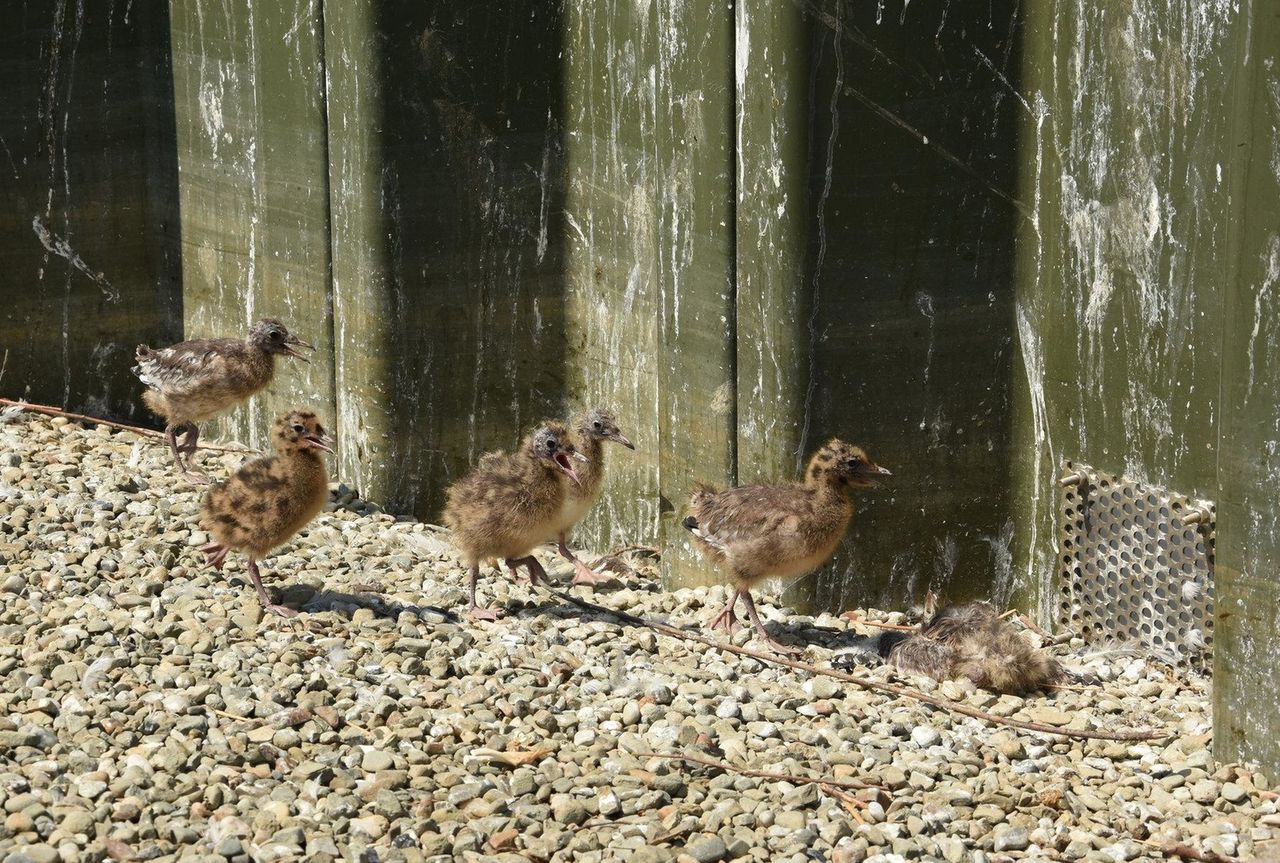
[
  {"x": 198, "y": 379},
  {"x": 593, "y": 428},
  {"x": 972, "y": 641},
  {"x": 510, "y": 503},
  {"x": 755, "y": 532},
  {"x": 269, "y": 499}
]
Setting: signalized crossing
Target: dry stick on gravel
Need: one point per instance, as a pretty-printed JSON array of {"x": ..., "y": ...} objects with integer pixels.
[
  {"x": 896, "y": 627},
  {"x": 49, "y": 410},
  {"x": 1186, "y": 852},
  {"x": 1034, "y": 627},
  {"x": 874, "y": 685},
  {"x": 760, "y": 774}
]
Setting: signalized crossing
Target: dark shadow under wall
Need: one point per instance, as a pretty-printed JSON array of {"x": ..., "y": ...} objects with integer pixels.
[
  {"x": 472, "y": 196},
  {"x": 912, "y": 179},
  {"x": 89, "y": 230}
]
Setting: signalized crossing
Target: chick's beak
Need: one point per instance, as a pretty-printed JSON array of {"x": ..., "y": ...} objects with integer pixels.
[
  {"x": 324, "y": 442},
  {"x": 620, "y": 438},
  {"x": 561, "y": 460},
  {"x": 294, "y": 340},
  {"x": 874, "y": 474}
]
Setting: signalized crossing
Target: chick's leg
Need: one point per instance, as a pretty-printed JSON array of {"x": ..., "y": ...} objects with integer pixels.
[
  {"x": 170, "y": 435},
  {"x": 215, "y": 554},
  {"x": 536, "y": 573},
  {"x": 474, "y": 611},
  {"x": 727, "y": 619},
  {"x": 763, "y": 634},
  {"x": 263, "y": 597},
  {"x": 582, "y": 574}
]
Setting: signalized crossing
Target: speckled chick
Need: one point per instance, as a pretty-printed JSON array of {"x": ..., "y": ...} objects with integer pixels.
[
  {"x": 760, "y": 531},
  {"x": 592, "y": 429},
  {"x": 972, "y": 641},
  {"x": 510, "y": 503},
  {"x": 198, "y": 379},
  {"x": 269, "y": 499}
]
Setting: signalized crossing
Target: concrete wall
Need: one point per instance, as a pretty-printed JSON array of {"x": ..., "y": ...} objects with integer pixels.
[
  {"x": 89, "y": 229},
  {"x": 1145, "y": 324}
]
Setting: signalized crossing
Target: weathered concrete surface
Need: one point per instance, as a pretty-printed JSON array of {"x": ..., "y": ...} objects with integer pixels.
[
  {"x": 1247, "y": 635},
  {"x": 912, "y": 150},
  {"x": 650, "y": 224},
  {"x": 88, "y": 201},
  {"x": 1121, "y": 269},
  {"x": 251, "y": 145},
  {"x": 447, "y": 180}
]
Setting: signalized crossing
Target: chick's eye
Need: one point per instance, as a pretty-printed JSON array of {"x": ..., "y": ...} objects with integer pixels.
[
  {"x": 276, "y": 335},
  {"x": 598, "y": 426},
  {"x": 299, "y": 429}
]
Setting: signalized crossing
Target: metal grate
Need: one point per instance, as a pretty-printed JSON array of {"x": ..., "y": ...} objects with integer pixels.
[{"x": 1136, "y": 565}]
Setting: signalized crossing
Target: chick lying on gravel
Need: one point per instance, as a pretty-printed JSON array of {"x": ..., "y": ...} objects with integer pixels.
[{"x": 972, "y": 641}]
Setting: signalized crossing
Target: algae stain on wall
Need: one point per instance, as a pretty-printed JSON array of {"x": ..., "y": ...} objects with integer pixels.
[{"x": 1119, "y": 292}]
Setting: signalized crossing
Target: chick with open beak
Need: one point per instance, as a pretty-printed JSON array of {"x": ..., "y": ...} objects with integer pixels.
[
  {"x": 592, "y": 429},
  {"x": 510, "y": 503}
]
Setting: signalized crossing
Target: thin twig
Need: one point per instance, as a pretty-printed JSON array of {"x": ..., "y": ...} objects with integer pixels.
[
  {"x": 860, "y": 621},
  {"x": 139, "y": 430},
  {"x": 1186, "y": 852},
  {"x": 648, "y": 549},
  {"x": 863, "y": 682},
  {"x": 759, "y": 774},
  {"x": 1034, "y": 627}
]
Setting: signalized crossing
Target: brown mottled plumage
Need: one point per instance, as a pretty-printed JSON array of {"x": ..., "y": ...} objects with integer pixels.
[
  {"x": 269, "y": 499},
  {"x": 593, "y": 428},
  {"x": 510, "y": 503},
  {"x": 972, "y": 641},
  {"x": 760, "y": 531},
  {"x": 197, "y": 379}
]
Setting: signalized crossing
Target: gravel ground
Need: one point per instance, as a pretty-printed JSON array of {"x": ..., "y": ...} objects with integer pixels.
[{"x": 149, "y": 711}]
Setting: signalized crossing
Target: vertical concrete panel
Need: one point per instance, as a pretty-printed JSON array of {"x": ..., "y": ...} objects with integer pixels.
[
  {"x": 771, "y": 70},
  {"x": 1247, "y": 631},
  {"x": 612, "y": 245},
  {"x": 650, "y": 222},
  {"x": 906, "y": 349},
  {"x": 1118, "y": 313},
  {"x": 447, "y": 184},
  {"x": 89, "y": 230},
  {"x": 252, "y": 159},
  {"x": 697, "y": 399}
]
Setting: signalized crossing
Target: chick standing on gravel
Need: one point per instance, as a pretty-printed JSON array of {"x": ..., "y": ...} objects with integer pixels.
[
  {"x": 594, "y": 428},
  {"x": 269, "y": 499},
  {"x": 510, "y": 503},
  {"x": 758, "y": 531},
  {"x": 197, "y": 379}
]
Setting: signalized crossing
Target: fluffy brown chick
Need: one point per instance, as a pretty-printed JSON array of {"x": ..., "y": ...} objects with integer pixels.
[
  {"x": 269, "y": 499},
  {"x": 972, "y": 641},
  {"x": 510, "y": 503},
  {"x": 757, "y": 531},
  {"x": 197, "y": 379},
  {"x": 593, "y": 428}
]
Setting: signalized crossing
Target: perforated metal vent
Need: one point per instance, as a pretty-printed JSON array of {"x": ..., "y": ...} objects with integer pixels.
[{"x": 1136, "y": 565}]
